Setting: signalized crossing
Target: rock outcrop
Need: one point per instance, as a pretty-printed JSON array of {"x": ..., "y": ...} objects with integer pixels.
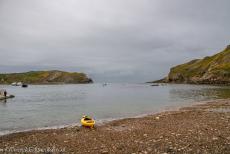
[
  {"x": 210, "y": 70},
  {"x": 45, "y": 77}
]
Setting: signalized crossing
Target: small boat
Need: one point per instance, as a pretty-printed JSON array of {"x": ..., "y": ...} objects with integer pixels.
[
  {"x": 7, "y": 97},
  {"x": 155, "y": 85},
  {"x": 14, "y": 84},
  {"x": 24, "y": 85},
  {"x": 19, "y": 83},
  {"x": 87, "y": 121}
]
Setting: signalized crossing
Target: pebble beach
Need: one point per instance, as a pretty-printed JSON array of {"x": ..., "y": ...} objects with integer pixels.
[{"x": 202, "y": 128}]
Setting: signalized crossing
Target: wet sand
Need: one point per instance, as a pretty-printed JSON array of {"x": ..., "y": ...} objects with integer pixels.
[{"x": 202, "y": 128}]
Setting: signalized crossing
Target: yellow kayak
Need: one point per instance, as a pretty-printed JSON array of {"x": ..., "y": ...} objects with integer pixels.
[{"x": 87, "y": 121}]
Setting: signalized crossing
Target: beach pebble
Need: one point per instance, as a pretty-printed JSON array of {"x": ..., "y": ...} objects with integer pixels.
[
  {"x": 214, "y": 138},
  {"x": 103, "y": 146},
  {"x": 154, "y": 141},
  {"x": 95, "y": 148},
  {"x": 145, "y": 135},
  {"x": 120, "y": 147},
  {"x": 104, "y": 152},
  {"x": 157, "y": 118},
  {"x": 149, "y": 149}
]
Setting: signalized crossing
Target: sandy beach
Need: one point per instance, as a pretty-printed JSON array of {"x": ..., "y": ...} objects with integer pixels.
[{"x": 202, "y": 128}]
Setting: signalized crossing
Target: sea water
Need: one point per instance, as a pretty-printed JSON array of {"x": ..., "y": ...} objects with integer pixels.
[{"x": 45, "y": 106}]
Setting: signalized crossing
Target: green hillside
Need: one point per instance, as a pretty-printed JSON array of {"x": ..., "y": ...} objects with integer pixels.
[
  {"x": 210, "y": 70},
  {"x": 44, "y": 77}
]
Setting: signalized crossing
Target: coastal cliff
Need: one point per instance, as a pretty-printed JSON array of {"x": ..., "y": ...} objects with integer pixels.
[
  {"x": 45, "y": 77},
  {"x": 209, "y": 70}
]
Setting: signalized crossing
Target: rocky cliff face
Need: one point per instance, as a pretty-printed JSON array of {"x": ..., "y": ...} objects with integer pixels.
[
  {"x": 210, "y": 70},
  {"x": 45, "y": 77}
]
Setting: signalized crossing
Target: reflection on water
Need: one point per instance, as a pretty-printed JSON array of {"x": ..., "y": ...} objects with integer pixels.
[
  {"x": 221, "y": 92},
  {"x": 201, "y": 93},
  {"x": 3, "y": 102},
  {"x": 53, "y": 105}
]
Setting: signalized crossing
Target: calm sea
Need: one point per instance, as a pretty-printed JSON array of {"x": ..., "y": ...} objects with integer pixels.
[{"x": 45, "y": 106}]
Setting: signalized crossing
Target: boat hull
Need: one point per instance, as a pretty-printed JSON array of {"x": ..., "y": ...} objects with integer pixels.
[
  {"x": 87, "y": 123},
  {"x": 7, "y": 97}
]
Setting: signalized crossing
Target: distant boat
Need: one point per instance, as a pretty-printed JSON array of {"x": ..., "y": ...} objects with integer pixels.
[
  {"x": 19, "y": 83},
  {"x": 7, "y": 97},
  {"x": 16, "y": 84},
  {"x": 104, "y": 84},
  {"x": 24, "y": 85},
  {"x": 155, "y": 85},
  {"x": 2, "y": 95}
]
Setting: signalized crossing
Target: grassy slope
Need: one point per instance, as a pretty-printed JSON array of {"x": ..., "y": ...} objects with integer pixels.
[
  {"x": 214, "y": 69},
  {"x": 38, "y": 77}
]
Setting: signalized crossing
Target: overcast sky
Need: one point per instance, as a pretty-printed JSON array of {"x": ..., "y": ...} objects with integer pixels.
[{"x": 111, "y": 40}]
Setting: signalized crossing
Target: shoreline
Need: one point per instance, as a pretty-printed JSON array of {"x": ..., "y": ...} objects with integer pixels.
[
  {"x": 158, "y": 127},
  {"x": 57, "y": 83},
  {"x": 102, "y": 122}
]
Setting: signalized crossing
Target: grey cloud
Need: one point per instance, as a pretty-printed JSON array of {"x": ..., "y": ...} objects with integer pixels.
[{"x": 115, "y": 40}]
